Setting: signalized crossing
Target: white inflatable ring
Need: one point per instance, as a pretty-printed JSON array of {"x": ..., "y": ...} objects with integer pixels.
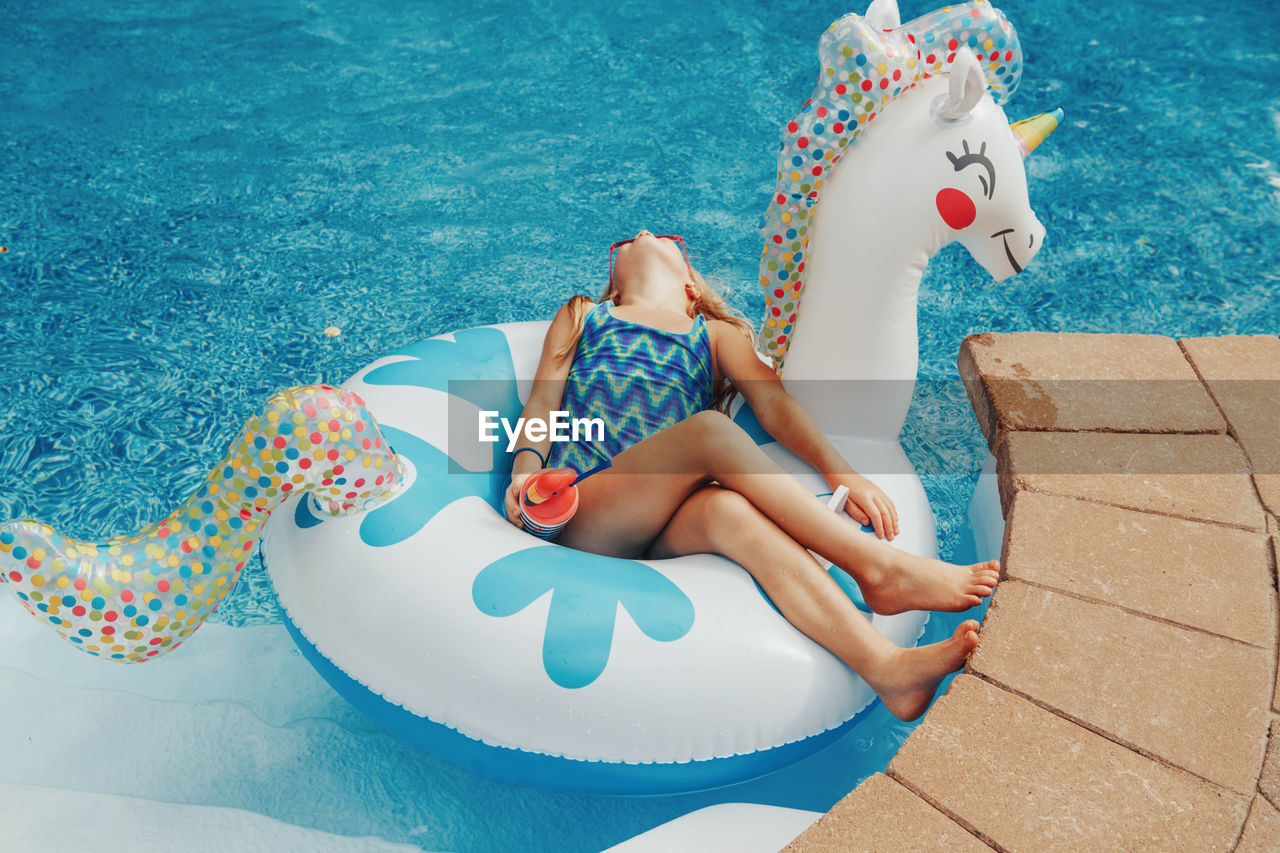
[{"x": 538, "y": 664}]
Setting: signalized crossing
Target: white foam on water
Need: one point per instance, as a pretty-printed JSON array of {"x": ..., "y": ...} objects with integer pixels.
[
  {"x": 724, "y": 828},
  {"x": 53, "y": 820},
  {"x": 228, "y": 742}
]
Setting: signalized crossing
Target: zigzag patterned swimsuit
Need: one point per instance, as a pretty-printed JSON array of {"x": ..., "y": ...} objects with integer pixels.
[{"x": 638, "y": 379}]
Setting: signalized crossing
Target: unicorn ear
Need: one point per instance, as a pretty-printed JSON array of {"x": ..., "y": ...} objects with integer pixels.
[
  {"x": 883, "y": 15},
  {"x": 968, "y": 85}
]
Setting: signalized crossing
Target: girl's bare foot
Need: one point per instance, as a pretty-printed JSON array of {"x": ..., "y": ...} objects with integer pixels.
[
  {"x": 917, "y": 583},
  {"x": 907, "y": 680}
]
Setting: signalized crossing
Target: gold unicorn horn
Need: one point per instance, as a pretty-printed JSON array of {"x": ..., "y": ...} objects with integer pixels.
[{"x": 1032, "y": 131}]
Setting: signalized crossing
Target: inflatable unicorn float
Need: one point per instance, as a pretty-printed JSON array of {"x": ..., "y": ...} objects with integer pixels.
[{"x": 407, "y": 589}]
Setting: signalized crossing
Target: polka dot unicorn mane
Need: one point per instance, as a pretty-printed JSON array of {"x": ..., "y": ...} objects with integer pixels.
[{"x": 908, "y": 109}]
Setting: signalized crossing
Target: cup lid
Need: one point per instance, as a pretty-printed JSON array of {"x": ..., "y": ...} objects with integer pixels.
[{"x": 553, "y": 511}]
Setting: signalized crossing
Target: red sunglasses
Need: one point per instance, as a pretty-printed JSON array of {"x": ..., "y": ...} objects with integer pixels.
[{"x": 675, "y": 237}]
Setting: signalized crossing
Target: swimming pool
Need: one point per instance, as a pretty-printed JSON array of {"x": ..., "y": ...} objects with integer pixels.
[{"x": 193, "y": 194}]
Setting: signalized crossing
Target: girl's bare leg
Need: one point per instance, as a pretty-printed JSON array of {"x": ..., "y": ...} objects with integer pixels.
[
  {"x": 721, "y": 521},
  {"x": 625, "y": 507}
]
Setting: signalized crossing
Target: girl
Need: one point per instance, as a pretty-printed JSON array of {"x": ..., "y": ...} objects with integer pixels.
[{"x": 686, "y": 479}]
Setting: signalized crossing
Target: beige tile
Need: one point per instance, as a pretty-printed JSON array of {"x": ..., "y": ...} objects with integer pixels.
[
  {"x": 1269, "y": 780},
  {"x": 1268, "y": 486},
  {"x": 1192, "y": 476},
  {"x": 1243, "y": 374},
  {"x": 880, "y": 814},
  {"x": 1261, "y": 830},
  {"x": 1066, "y": 381},
  {"x": 1030, "y": 780},
  {"x": 1210, "y": 577},
  {"x": 1194, "y": 700},
  {"x": 1250, "y": 357}
]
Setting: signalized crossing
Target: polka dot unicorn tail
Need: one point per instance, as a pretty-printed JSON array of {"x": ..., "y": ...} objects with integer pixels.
[{"x": 133, "y": 598}]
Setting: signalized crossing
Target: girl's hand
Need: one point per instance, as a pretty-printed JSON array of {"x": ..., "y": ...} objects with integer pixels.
[
  {"x": 512, "y": 502},
  {"x": 868, "y": 504}
]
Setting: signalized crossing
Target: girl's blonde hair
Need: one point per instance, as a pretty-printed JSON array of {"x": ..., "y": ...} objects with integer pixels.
[{"x": 708, "y": 303}]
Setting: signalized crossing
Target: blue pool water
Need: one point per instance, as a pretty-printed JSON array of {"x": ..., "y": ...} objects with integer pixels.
[{"x": 193, "y": 192}]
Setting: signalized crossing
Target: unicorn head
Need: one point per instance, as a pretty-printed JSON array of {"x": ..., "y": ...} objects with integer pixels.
[
  {"x": 902, "y": 148},
  {"x": 982, "y": 197}
]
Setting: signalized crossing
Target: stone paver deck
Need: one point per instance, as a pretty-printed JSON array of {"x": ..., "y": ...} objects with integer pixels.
[
  {"x": 1185, "y": 476},
  {"x": 1123, "y": 695}
]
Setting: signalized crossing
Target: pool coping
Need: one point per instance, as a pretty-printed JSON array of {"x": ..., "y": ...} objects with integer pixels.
[{"x": 1124, "y": 693}]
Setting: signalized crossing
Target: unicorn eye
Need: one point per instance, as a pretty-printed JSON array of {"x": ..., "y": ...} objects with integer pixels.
[{"x": 968, "y": 158}]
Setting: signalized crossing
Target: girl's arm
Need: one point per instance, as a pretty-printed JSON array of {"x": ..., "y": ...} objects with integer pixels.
[
  {"x": 546, "y": 396},
  {"x": 787, "y": 421}
]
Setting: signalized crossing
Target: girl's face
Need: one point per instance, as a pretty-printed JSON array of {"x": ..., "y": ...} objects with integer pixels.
[{"x": 646, "y": 256}]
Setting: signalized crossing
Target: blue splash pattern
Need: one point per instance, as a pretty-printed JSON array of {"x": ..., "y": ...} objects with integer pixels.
[
  {"x": 586, "y": 591},
  {"x": 434, "y": 489},
  {"x": 472, "y": 355},
  {"x": 476, "y": 366}
]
